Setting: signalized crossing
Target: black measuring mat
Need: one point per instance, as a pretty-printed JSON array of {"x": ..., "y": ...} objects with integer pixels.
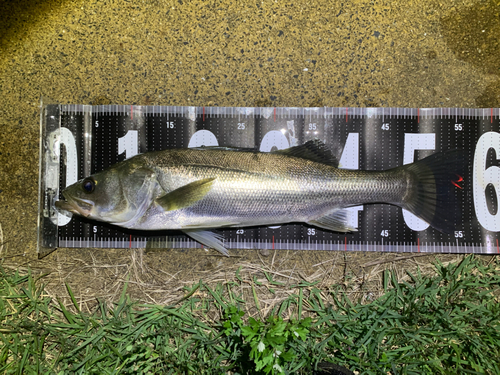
[{"x": 91, "y": 138}]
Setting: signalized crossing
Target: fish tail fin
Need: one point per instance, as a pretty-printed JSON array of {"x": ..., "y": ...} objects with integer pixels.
[{"x": 437, "y": 182}]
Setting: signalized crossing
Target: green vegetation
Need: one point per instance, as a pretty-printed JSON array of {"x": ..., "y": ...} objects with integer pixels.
[{"x": 447, "y": 323}]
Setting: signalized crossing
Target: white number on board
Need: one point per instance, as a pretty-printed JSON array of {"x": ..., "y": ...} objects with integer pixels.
[
  {"x": 274, "y": 138},
  {"x": 203, "y": 138},
  {"x": 482, "y": 177},
  {"x": 68, "y": 140},
  {"x": 416, "y": 141},
  {"x": 350, "y": 160},
  {"x": 129, "y": 144}
]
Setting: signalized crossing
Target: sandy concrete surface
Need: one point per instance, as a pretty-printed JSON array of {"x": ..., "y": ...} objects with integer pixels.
[{"x": 412, "y": 53}]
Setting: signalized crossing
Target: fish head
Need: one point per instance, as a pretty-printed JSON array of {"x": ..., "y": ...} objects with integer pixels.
[{"x": 115, "y": 195}]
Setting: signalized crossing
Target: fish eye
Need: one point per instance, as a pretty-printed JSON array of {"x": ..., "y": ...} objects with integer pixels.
[{"x": 88, "y": 185}]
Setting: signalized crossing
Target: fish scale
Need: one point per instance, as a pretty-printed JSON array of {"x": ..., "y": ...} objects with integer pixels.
[
  {"x": 95, "y": 137},
  {"x": 271, "y": 188}
]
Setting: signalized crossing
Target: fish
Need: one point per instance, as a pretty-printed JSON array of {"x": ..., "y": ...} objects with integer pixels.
[{"x": 197, "y": 190}]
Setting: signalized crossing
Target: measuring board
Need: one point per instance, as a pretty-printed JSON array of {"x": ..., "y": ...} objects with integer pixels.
[{"x": 79, "y": 140}]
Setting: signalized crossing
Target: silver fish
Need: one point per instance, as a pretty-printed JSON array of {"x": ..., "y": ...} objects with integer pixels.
[{"x": 195, "y": 190}]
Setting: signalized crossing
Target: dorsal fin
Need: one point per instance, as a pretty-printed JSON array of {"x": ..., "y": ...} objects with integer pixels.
[{"x": 313, "y": 150}]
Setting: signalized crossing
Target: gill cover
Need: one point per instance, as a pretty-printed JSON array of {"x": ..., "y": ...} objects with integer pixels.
[{"x": 137, "y": 188}]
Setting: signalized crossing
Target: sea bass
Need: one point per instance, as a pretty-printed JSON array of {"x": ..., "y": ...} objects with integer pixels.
[{"x": 198, "y": 189}]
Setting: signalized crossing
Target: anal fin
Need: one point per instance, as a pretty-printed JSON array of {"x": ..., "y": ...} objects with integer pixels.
[{"x": 335, "y": 221}]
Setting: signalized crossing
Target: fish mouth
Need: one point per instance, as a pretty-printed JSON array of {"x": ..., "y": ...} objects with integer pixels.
[{"x": 76, "y": 206}]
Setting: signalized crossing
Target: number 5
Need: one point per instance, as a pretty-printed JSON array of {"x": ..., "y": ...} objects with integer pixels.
[{"x": 416, "y": 141}]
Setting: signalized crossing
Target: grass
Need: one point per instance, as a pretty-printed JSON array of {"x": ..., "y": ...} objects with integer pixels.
[{"x": 446, "y": 323}]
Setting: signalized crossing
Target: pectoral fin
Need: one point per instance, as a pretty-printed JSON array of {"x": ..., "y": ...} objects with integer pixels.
[
  {"x": 335, "y": 221},
  {"x": 186, "y": 195},
  {"x": 209, "y": 239}
]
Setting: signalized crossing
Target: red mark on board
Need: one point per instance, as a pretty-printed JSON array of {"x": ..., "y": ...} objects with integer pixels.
[
  {"x": 418, "y": 244},
  {"x": 459, "y": 179},
  {"x": 130, "y": 242},
  {"x": 203, "y": 113},
  {"x": 345, "y": 243},
  {"x": 273, "y": 242},
  {"x": 345, "y": 114}
]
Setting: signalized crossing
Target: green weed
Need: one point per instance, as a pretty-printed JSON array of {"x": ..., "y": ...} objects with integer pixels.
[{"x": 447, "y": 323}]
